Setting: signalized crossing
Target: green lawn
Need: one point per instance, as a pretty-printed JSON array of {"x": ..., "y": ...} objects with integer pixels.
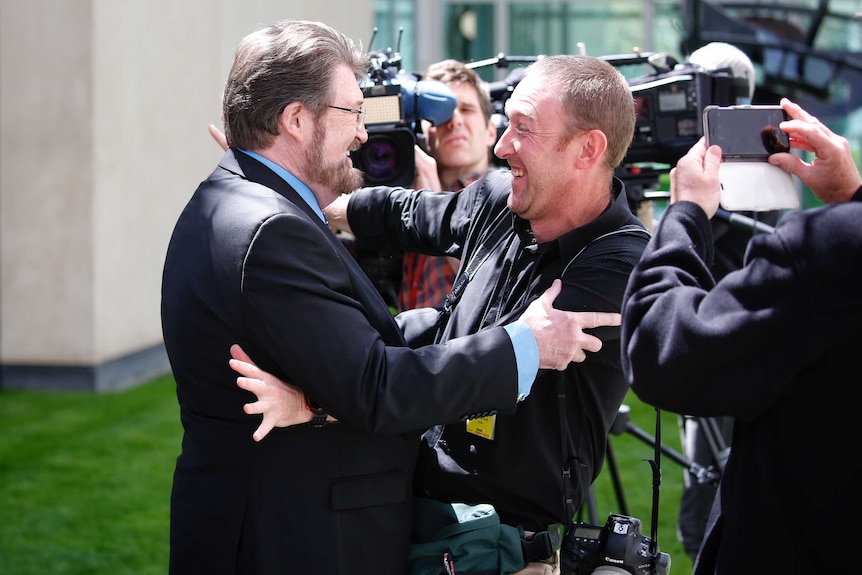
[{"x": 85, "y": 480}]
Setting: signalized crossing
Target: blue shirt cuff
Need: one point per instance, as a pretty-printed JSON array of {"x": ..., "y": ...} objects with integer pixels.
[{"x": 526, "y": 356}]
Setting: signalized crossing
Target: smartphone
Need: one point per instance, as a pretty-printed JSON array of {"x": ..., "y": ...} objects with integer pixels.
[{"x": 746, "y": 133}]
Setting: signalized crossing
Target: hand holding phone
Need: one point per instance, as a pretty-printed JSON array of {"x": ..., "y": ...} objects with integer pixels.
[{"x": 748, "y": 135}]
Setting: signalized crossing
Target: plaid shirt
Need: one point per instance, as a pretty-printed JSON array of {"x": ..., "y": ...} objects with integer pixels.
[{"x": 427, "y": 280}]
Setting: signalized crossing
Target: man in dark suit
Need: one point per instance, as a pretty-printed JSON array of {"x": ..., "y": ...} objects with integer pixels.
[{"x": 252, "y": 261}]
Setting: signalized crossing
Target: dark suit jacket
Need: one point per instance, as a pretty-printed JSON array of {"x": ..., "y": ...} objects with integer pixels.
[{"x": 249, "y": 262}]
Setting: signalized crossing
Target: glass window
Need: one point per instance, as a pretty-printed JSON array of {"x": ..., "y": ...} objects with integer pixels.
[
  {"x": 396, "y": 28},
  {"x": 470, "y": 34}
]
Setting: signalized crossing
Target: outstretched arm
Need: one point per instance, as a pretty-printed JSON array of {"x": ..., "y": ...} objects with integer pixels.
[
  {"x": 560, "y": 339},
  {"x": 218, "y": 136}
]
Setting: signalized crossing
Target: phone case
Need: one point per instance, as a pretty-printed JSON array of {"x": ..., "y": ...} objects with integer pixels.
[
  {"x": 756, "y": 187},
  {"x": 749, "y": 182}
]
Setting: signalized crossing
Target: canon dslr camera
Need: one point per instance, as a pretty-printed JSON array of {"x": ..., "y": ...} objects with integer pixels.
[{"x": 618, "y": 547}]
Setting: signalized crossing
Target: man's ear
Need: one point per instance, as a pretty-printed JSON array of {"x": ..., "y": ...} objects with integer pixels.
[
  {"x": 294, "y": 119},
  {"x": 592, "y": 145}
]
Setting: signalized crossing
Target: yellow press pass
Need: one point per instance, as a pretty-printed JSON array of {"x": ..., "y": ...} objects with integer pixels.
[{"x": 482, "y": 426}]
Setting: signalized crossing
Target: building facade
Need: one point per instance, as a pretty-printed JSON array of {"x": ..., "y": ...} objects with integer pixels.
[{"x": 104, "y": 108}]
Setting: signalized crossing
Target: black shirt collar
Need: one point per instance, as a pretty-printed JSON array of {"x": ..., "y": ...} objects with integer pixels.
[{"x": 617, "y": 214}]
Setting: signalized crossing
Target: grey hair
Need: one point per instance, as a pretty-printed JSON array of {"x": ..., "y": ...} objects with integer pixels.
[{"x": 290, "y": 61}]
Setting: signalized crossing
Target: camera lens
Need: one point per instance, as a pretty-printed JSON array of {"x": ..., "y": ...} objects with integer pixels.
[
  {"x": 387, "y": 158},
  {"x": 381, "y": 159}
]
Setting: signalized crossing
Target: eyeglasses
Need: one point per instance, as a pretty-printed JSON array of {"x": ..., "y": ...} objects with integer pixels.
[{"x": 360, "y": 113}]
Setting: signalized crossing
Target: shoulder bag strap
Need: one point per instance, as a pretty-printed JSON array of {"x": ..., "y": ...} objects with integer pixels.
[
  {"x": 486, "y": 247},
  {"x": 568, "y": 456}
]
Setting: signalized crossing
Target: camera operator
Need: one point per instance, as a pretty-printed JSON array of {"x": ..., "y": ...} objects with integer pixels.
[
  {"x": 559, "y": 213},
  {"x": 771, "y": 345},
  {"x": 458, "y": 154}
]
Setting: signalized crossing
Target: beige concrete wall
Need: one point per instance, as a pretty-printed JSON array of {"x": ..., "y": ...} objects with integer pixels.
[{"x": 104, "y": 107}]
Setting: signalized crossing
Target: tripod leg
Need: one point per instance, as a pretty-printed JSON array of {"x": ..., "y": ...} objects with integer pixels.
[
  {"x": 715, "y": 439},
  {"x": 701, "y": 441},
  {"x": 592, "y": 508},
  {"x": 615, "y": 476}
]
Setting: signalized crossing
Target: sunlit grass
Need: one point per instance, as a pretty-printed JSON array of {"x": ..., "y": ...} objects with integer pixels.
[{"x": 85, "y": 480}]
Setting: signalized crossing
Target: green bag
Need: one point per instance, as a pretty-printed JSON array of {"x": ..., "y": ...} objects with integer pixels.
[{"x": 450, "y": 538}]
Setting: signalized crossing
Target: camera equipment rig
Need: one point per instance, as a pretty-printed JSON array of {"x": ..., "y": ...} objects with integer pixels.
[
  {"x": 394, "y": 103},
  {"x": 669, "y": 103},
  {"x": 619, "y": 546}
]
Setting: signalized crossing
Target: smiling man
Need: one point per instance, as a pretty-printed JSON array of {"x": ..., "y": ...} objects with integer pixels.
[{"x": 560, "y": 213}]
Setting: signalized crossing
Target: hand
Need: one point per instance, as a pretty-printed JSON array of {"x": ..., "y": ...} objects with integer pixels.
[
  {"x": 336, "y": 214},
  {"x": 218, "y": 136},
  {"x": 281, "y": 404},
  {"x": 832, "y": 176},
  {"x": 695, "y": 177},
  {"x": 560, "y": 334},
  {"x": 426, "y": 171}
]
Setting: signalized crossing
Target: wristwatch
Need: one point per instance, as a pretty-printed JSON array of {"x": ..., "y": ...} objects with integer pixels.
[{"x": 318, "y": 414}]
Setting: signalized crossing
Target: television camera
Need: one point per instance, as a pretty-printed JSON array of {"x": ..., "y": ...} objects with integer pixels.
[
  {"x": 394, "y": 103},
  {"x": 669, "y": 106},
  {"x": 669, "y": 103}
]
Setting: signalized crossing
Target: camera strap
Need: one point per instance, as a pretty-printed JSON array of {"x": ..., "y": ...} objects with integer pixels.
[
  {"x": 538, "y": 545},
  {"x": 568, "y": 453},
  {"x": 488, "y": 244}
]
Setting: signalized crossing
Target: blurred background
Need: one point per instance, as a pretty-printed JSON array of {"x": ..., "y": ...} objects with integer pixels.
[{"x": 104, "y": 108}]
